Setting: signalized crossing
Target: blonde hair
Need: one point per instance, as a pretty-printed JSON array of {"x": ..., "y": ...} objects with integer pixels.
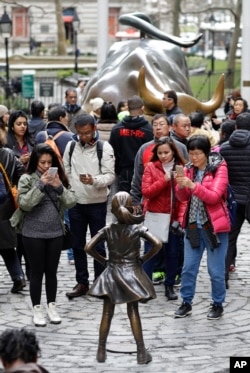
[{"x": 2, "y": 138}]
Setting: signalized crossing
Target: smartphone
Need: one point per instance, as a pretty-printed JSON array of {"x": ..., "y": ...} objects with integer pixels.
[
  {"x": 52, "y": 171},
  {"x": 179, "y": 170}
]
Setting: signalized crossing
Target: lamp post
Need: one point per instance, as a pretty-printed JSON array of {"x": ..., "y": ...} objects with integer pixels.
[
  {"x": 76, "y": 25},
  {"x": 212, "y": 21},
  {"x": 5, "y": 30}
]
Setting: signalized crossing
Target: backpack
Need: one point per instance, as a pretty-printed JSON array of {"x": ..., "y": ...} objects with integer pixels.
[
  {"x": 51, "y": 142},
  {"x": 231, "y": 204},
  {"x": 99, "y": 149}
]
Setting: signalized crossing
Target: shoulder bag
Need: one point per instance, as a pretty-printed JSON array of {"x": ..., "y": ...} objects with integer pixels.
[
  {"x": 13, "y": 189},
  {"x": 158, "y": 223}
]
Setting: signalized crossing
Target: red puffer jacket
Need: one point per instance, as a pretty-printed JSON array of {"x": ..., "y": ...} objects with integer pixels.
[
  {"x": 156, "y": 190},
  {"x": 212, "y": 192}
]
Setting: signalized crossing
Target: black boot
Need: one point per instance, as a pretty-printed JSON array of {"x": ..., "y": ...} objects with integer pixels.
[
  {"x": 169, "y": 293},
  {"x": 18, "y": 285}
]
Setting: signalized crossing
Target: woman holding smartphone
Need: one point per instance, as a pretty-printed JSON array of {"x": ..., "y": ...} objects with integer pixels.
[
  {"x": 157, "y": 192},
  {"x": 43, "y": 196}
]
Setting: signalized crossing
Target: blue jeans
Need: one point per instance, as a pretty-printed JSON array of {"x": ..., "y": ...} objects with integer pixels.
[
  {"x": 171, "y": 255},
  {"x": 215, "y": 265},
  {"x": 70, "y": 253},
  {"x": 81, "y": 217}
]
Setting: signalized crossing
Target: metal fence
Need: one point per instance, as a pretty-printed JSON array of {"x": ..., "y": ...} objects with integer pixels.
[
  {"x": 46, "y": 89},
  {"x": 52, "y": 89}
]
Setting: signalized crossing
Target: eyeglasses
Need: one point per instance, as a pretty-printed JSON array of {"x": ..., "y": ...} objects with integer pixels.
[
  {"x": 159, "y": 124},
  {"x": 195, "y": 154},
  {"x": 86, "y": 134}
]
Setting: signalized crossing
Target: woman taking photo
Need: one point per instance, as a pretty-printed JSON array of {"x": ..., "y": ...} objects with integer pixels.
[
  {"x": 43, "y": 196},
  {"x": 158, "y": 197},
  {"x": 206, "y": 222}
]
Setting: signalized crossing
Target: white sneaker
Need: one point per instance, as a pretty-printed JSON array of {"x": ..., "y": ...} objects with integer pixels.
[
  {"x": 38, "y": 317},
  {"x": 52, "y": 313}
]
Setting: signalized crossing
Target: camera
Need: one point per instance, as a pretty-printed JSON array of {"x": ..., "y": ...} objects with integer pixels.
[{"x": 175, "y": 228}]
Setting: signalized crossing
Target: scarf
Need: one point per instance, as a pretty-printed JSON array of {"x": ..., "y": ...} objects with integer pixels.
[
  {"x": 196, "y": 205},
  {"x": 72, "y": 109}
]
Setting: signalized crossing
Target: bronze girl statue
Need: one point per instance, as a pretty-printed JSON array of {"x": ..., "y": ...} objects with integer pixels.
[{"x": 123, "y": 280}]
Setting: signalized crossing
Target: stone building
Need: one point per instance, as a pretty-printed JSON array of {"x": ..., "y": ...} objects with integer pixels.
[{"x": 34, "y": 26}]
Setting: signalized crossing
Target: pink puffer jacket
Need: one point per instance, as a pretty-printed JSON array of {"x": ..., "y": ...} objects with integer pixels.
[{"x": 211, "y": 191}]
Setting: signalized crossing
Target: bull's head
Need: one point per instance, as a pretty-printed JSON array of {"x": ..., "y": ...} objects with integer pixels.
[{"x": 122, "y": 75}]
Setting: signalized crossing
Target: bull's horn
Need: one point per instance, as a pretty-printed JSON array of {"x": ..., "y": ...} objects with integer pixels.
[
  {"x": 187, "y": 103},
  {"x": 141, "y": 23}
]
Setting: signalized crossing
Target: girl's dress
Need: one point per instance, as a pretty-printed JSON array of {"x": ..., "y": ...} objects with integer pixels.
[{"x": 124, "y": 279}]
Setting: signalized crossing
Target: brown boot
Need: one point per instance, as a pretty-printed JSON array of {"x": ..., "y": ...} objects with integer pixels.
[
  {"x": 78, "y": 290},
  {"x": 101, "y": 352},
  {"x": 143, "y": 356}
]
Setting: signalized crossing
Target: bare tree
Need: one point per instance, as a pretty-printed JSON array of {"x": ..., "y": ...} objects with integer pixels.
[
  {"x": 61, "y": 46},
  {"x": 236, "y": 11},
  {"x": 232, "y": 51}
]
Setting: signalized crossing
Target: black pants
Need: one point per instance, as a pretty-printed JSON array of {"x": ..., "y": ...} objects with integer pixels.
[
  {"x": 43, "y": 255},
  {"x": 233, "y": 236},
  {"x": 125, "y": 179}
]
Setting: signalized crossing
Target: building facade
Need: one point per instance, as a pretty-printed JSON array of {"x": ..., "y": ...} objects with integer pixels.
[{"x": 34, "y": 25}]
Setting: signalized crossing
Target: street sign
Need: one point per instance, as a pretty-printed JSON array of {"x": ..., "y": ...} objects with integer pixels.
[
  {"x": 28, "y": 90},
  {"x": 46, "y": 89}
]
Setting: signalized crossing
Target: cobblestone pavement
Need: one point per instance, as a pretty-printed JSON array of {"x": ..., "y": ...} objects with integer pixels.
[{"x": 188, "y": 345}]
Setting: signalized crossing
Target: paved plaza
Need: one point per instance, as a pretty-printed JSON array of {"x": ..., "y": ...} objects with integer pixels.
[{"x": 188, "y": 345}]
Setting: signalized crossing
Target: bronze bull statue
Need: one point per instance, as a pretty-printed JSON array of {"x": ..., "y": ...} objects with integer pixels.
[{"x": 148, "y": 67}]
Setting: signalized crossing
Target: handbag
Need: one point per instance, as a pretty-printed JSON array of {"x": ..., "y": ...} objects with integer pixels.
[
  {"x": 158, "y": 224},
  {"x": 13, "y": 189},
  {"x": 68, "y": 236}
]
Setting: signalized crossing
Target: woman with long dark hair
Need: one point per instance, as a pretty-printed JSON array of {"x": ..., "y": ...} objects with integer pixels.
[
  {"x": 18, "y": 137},
  {"x": 14, "y": 170},
  {"x": 157, "y": 191},
  {"x": 43, "y": 198}
]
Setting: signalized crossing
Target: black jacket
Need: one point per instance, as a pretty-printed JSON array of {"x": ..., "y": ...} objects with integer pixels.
[
  {"x": 126, "y": 138},
  {"x": 236, "y": 152},
  {"x": 14, "y": 170}
]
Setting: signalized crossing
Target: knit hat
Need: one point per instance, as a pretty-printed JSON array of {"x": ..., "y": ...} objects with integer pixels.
[
  {"x": 41, "y": 137},
  {"x": 96, "y": 103},
  {"x": 3, "y": 110}
]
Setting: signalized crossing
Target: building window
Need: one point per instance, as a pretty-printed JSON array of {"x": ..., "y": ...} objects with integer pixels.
[
  {"x": 68, "y": 16},
  {"x": 45, "y": 29},
  {"x": 114, "y": 14},
  {"x": 20, "y": 23}
]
